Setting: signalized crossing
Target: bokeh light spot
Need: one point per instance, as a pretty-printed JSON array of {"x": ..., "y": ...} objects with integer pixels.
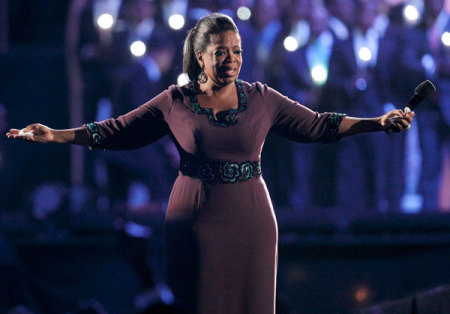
[
  {"x": 176, "y": 21},
  {"x": 446, "y": 39},
  {"x": 411, "y": 13},
  {"x": 365, "y": 54},
  {"x": 290, "y": 43},
  {"x": 105, "y": 21},
  {"x": 244, "y": 13},
  {"x": 138, "y": 48},
  {"x": 319, "y": 74}
]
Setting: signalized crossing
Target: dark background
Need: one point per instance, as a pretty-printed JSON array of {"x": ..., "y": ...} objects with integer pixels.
[{"x": 326, "y": 255}]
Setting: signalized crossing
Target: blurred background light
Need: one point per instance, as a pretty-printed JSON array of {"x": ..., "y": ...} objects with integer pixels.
[
  {"x": 319, "y": 74},
  {"x": 290, "y": 43},
  {"x": 105, "y": 13},
  {"x": 138, "y": 48},
  {"x": 413, "y": 11},
  {"x": 365, "y": 54},
  {"x": 446, "y": 39},
  {"x": 362, "y": 294},
  {"x": 105, "y": 21},
  {"x": 176, "y": 21},
  {"x": 361, "y": 84},
  {"x": 428, "y": 64},
  {"x": 244, "y": 13},
  {"x": 137, "y": 231},
  {"x": 46, "y": 199},
  {"x": 183, "y": 79}
]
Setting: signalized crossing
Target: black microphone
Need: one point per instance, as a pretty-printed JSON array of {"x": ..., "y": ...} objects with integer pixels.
[{"x": 422, "y": 91}]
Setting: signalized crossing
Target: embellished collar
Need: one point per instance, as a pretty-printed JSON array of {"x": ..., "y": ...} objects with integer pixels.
[{"x": 224, "y": 118}]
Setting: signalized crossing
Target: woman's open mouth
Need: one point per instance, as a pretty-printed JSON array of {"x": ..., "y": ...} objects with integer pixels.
[{"x": 228, "y": 71}]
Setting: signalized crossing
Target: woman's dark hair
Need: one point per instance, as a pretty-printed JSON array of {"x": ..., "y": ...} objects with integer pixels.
[{"x": 199, "y": 37}]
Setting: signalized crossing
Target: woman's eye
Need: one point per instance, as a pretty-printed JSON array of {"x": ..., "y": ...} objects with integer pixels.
[
  {"x": 237, "y": 52},
  {"x": 219, "y": 53}
]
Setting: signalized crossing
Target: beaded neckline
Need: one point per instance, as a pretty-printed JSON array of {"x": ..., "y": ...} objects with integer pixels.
[{"x": 231, "y": 115}]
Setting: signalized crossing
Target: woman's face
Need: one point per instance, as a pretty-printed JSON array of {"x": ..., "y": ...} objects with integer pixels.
[{"x": 222, "y": 59}]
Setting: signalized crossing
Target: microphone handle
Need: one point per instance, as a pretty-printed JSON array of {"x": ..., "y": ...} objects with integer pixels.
[
  {"x": 413, "y": 102},
  {"x": 410, "y": 106},
  {"x": 392, "y": 120}
]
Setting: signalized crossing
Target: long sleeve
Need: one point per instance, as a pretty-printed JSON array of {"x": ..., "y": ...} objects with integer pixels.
[
  {"x": 137, "y": 128},
  {"x": 299, "y": 123}
]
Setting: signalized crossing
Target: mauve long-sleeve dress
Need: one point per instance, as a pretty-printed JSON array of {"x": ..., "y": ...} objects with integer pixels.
[{"x": 221, "y": 230}]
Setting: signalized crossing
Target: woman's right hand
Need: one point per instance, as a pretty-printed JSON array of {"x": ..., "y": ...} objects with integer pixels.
[{"x": 34, "y": 132}]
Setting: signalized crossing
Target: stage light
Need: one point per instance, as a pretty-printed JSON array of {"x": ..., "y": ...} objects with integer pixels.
[
  {"x": 411, "y": 203},
  {"x": 446, "y": 39},
  {"x": 365, "y": 54},
  {"x": 139, "y": 195},
  {"x": 319, "y": 74},
  {"x": 105, "y": 12},
  {"x": 290, "y": 43},
  {"x": 411, "y": 14},
  {"x": 46, "y": 199},
  {"x": 137, "y": 231},
  {"x": 244, "y": 13},
  {"x": 105, "y": 21},
  {"x": 138, "y": 48},
  {"x": 176, "y": 21},
  {"x": 362, "y": 294},
  {"x": 428, "y": 63},
  {"x": 183, "y": 79},
  {"x": 361, "y": 84}
]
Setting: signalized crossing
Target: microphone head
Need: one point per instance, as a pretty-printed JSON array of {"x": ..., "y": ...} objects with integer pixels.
[{"x": 425, "y": 89}]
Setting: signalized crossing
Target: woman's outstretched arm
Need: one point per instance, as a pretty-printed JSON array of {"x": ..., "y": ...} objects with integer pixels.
[
  {"x": 394, "y": 121},
  {"x": 43, "y": 134}
]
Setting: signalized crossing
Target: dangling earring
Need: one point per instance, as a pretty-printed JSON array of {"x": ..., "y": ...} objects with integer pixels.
[{"x": 202, "y": 77}]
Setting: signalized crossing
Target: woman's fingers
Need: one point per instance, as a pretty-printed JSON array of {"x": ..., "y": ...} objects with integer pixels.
[
  {"x": 35, "y": 132},
  {"x": 398, "y": 120},
  {"x": 13, "y": 131},
  {"x": 403, "y": 122},
  {"x": 24, "y": 134}
]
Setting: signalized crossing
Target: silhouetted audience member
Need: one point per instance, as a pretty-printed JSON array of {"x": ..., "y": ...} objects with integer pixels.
[
  {"x": 117, "y": 82},
  {"x": 342, "y": 17},
  {"x": 266, "y": 19},
  {"x": 297, "y": 21},
  {"x": 302, "y": 74},
  {"x": 136, "y": 83},
  {"x": 103, "y": 51},
  {"x": 360, "y": 72},
  {"x": 248, "y": 34},
  {"x": 429, "y": 58},
  {"x": 261, "y": 48}
]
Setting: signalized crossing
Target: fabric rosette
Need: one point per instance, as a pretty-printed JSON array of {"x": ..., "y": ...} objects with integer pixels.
[
  {"x": 206, "y": 172},
  {"x": 247, "y": 170},
  {"x": 229, "y": 172}
]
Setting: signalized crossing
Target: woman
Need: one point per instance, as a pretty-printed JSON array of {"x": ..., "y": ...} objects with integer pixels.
[{"x": 221, "y": 232}]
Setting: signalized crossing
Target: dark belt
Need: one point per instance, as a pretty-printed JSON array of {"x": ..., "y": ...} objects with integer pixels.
[{"x": 218, "y": 171}]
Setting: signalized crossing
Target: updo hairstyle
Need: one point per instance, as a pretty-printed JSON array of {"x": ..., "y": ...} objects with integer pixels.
[{"x": 199, "y": 37}]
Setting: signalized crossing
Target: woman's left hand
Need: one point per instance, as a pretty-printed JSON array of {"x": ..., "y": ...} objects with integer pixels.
[{"x": 396, "y": 121}]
